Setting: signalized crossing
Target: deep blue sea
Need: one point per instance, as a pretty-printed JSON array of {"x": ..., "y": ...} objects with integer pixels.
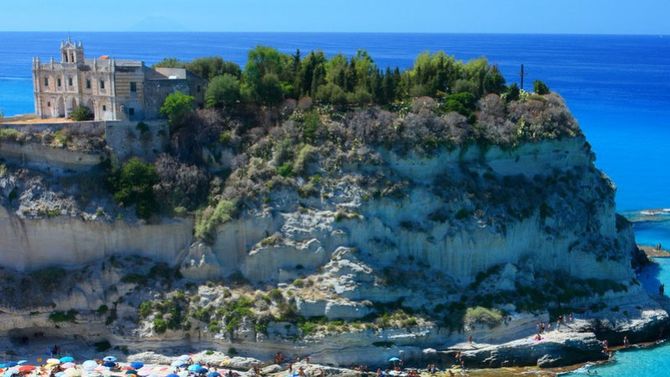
[{"x": 618, "y": 87}]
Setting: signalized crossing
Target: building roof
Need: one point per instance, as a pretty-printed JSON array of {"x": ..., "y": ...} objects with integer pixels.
[{"x": 167, "y": 74}]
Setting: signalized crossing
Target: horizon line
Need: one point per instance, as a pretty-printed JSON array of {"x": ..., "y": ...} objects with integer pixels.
[{"x": 333, "y": 32}]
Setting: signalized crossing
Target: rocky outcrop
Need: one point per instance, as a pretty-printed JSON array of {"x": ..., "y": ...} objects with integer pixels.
[{"x": 554, "y": 350}]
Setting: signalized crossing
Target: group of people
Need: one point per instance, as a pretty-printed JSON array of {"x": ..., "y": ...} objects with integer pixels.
[{"x": 545, "y": 327}]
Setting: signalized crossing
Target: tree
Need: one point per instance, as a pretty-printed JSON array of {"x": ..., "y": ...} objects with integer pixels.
[
  {"x": 222, "y": 91},
  {"x": 262, "y": 83},
  {"x": 513, "y": 93},
  {"x": 176, "y": 107},
  {"x": 210, "y": 67},
  {"x": 82, "y": 113},
  {"x": 133, "y": 185},
  {"x": 170, "y": 63},
  {"x": 540, "y": 87}
]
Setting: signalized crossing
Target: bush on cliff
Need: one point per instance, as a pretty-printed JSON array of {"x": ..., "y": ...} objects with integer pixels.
[
  {"x": 481, "y": 315},
  {"x": 176, "y": 107},
  {"x": 81, "y": 113},
  {"x": 133, "y": 185},
  {"x": 222, "y": 91}
]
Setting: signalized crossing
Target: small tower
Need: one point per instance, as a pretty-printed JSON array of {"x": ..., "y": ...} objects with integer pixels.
[{"x": 72, "y": 52}]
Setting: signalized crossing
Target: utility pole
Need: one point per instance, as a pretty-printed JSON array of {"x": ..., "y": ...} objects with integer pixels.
[{"x": 522, "y": 74}]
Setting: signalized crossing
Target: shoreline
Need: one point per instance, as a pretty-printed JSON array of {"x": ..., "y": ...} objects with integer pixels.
[{"x": 653, "y": 252}]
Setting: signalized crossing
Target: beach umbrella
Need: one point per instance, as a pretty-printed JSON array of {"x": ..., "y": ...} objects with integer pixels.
[
  {"x": 109, "y": 364},
  {"x": 73, "y": 372},
  {"x": 214, "y": 374},
  {"x": 60, "y": 374},
  {"x": 131, "y": 371},
  {"x": 137, "y": 364},
  {"x": 53, "y": 361},
  {"x": 194, "y": 367},
  {"x": 67, "y": 365},
  {"x": 66, "y": 359},
  {"x": 184, "y": 357},
  {"x": 89, "y": 365},
  {"x": 183, "y": 373},
  {"x": 109, "y": 358},
  {"x": 26, "y": 368},
  {"x": 172, "y": 375}
]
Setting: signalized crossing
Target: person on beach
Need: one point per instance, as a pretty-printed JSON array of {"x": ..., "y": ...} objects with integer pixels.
[{"x": 626, "y": 343}]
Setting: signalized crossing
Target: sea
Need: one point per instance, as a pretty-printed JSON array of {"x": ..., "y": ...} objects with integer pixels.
[{"x": 617, "y": 86}]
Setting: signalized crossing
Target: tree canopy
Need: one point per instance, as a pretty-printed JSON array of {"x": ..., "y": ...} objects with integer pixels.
[{"x": 271, "y": 76}]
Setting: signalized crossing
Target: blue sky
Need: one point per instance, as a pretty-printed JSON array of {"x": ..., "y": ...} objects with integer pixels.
[{"x": 431, "y": 16}]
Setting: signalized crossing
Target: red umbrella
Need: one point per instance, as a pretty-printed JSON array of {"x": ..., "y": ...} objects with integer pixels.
[{"x": 26, "y": 368}]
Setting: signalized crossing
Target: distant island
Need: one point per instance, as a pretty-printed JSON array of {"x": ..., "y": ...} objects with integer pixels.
[{"x": 316, "y": 207}]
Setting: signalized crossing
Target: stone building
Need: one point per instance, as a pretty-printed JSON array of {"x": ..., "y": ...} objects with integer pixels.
[{"x": 112, "y": 89}]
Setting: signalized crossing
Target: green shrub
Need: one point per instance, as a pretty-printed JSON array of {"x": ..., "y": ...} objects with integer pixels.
[
  {"x": 10, "y": 134},
  {"x": 479, "y": 314},
  {"x": 540, "y": 87},
  {"x": 81, "y": 113},
  {"x": 145, "y": 309},
  {"x": 102, "y": 309},
  {"x": 142, "y": 127},
  {"x": 176, "y": 107},
  {"x": 133, "y": 185},
  {"x": 209, "y": 218},
  {"x": 102, "y": 346},
  {"x": 285, "y": 169},
  {"x": 160, "y": 325},
  {"x": 59, "y": 316}
]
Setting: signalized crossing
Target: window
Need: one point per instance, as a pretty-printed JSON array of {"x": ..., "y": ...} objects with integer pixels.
[
  {"x": 102, "y": 84},
  {"x": 46, "y": 81},
  {"x": 59, "y": 83},
  {"x": 133, "y": 87},
  {"x": 88, "y": 84},
  {"x": 104, "y": 107},
  {"x": 69, "y": 81},
  {"x": 131, "y": 111},
  {"x": 48, "y": 104}
]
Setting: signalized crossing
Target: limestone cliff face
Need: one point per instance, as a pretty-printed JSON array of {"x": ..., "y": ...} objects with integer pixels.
[
  {"x": 566, "y": 222},
  {"x": 29, "y": 244}
]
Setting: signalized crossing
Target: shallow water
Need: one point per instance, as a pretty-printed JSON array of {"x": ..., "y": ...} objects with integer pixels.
[{"x": 647, "y": 362}]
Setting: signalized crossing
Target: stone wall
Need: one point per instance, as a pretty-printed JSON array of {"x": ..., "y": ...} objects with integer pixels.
[
  {"x": 47, "y": 159},
  {"x": 146, "y": 140}
]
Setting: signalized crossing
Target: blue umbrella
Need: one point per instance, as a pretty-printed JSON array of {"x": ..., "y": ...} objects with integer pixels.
[
  {"x": 201, "y": 370},
  {"x": 194, "y": 367},
  {"x": 130, "y": 371},
  {"x": 137, "y": 364},
  {"x": 172, "y": 375},
  {"x": 109, "y": 364},
  {"x": 66, "y": 359},
  {"x": 109, "y": 358},
  {"x": 213, "y": 374}
]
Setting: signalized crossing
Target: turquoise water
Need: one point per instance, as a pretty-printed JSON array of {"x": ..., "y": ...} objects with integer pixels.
[
  {"x": 618, "y": 87},
  {"x": 649, "y": 362}
]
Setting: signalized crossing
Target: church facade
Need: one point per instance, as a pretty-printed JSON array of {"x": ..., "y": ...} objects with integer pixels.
[{"x": 111, "y": 89}]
